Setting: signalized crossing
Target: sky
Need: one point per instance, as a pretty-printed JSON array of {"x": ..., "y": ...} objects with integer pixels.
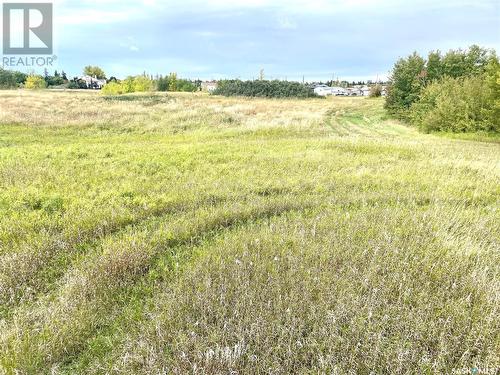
[{"x": 289, "y": 39}]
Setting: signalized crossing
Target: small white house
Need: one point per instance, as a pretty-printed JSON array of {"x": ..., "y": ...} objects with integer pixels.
[
  {"x": 365, "y": 90},
  {"x": 93, "y": 82},
  {"x": 323, "y": 90},
  {"x": 354, "y": 91},
  {"x": 209, "y": 86},
  {"x": 339, "y": 91}
]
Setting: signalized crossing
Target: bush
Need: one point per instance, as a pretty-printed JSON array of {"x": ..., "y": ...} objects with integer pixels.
[
  {"x": 162, "y": 84},
  {"x": 456, "y": 105},
  {"x": 10, "y": 79},
  {"x": 7, "y": 79},
  {"x": 142, "y": 84},
  {"x": 128, "y": 85},
  {"x": 376, "y": 91},
  {"x": 411, "y": 75},
  {"x": 54, "y": 81},
  {"x": 113, "y": 88},
  {"x": 35, "y": 82},
  {"x": 185, "y": 85},
  {"x": 172, "y": 83},
  {"x": 268, "y": 89},
  {"x": 492, "y": 78},
  {"x": 76, "y": 84}
]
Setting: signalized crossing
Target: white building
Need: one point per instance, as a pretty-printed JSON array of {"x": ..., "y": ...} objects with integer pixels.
[
  {"x": 365, "y": 90},
  {"x": 93, "y": 82},
  {"x": 339, "y": 91},
  {"x": 354, "y": 91},
  {"x": 324, "y": 90},
  {"x": 209, "y": 86}
]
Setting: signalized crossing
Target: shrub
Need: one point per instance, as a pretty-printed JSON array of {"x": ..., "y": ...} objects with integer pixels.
[
  {"x": 113, "y": 88},
  {"x": 262, "y": 88},
  {"x": 35, "y": 82},
  {"x": 172, "y": 82},
  {"x": 162, "y": 84},
  {"x": 142, "y": 84},
  {"x": 376, "y": 91},
  {"x": 11, "y": 79},
  {"x": 128, "y": 85},
  {"x": 7, "y": 79},
  {"x": 185, "y": 85},
  {"x": 77, "y": 84},
  {"x": 411, "y": 75},
  {"x": 455, "y": 105},
  {"x": 492, "y": 80},
  {"x": 54, "y": 81}
]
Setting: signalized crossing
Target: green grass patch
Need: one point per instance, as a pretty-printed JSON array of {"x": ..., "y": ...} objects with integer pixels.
[{"x": 209, "y": 235}]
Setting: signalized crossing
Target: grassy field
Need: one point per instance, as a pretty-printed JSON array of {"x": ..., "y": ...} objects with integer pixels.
[{"x": 158, "y": 234}]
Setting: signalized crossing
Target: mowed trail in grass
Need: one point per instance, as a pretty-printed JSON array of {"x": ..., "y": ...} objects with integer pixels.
[{"x": 199, "y": 234}]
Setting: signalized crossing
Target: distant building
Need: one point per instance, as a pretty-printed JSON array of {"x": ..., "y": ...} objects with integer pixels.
[
  {"x": 324, "y": 90},
  {"x": 93, "y": 82},
  {"x": 365, "y": 90},
  {"x": 354, "y": 91},
  {"x": 339, "y": 91},
  {"x": 209, "y": 86}
]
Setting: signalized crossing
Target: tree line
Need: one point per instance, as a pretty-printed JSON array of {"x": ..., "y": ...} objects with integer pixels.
[
  {"x": 13, "y": 79},
  {"x": 458, "y": 91},
  {"x": 145, "y": 83},
  {"x": 263, "y": 88}
]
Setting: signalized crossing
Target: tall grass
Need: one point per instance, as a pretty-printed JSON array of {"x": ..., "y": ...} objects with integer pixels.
[{"x": 197, "y": 234}]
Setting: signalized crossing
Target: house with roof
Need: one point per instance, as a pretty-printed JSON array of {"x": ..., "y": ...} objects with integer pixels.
[
  {"x": 209, "y": 86},
  {"x": 93, "y": 82}
]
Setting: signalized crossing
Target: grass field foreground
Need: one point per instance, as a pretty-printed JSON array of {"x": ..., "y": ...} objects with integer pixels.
[{"x": 199, "y": 234}]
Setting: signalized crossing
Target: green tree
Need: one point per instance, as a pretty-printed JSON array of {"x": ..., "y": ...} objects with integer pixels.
[
  {"x": 434, "y": 66},
  {"x": 162, "y": 84},
  {"x": 94, "y": 71},
  {"x": 460, "y": 63},
  {"x": 127, "y": 85},
  {"x": 7, "y": 79},
  {"x": 20, "y": 78},
  {"x": 142, "y": 84},
  {"x": 492, "y": 79},
  {"x": 407, "y": 79},
  {"x": 186, "y": 85},
  {"x": 172, "y": 82},
  {"x": 461, "y": 104},
  {"x": 258, "y": 88}
]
